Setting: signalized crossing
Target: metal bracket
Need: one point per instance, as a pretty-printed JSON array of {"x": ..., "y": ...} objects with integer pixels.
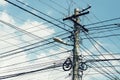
[
  {"x": 67, "y": 65},
  {"x": 83, "y": 66}
]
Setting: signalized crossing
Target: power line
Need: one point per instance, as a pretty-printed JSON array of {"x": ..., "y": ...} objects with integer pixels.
[
  {"x": 38, "y": 16},
  {"x": 101, "y": 53},
  {"x": 35, "y": 59},
  {"x": 27, "y": 49},
  {"x": 102, "y": 27},
  {"x": 108, "y": 20},
  {"x": 104, "y": 36},
  {"x": 21, "y": 30},
  {"x": 107, "y": 74},
  {"x": 27, "y": 46},
  {"x": 32, "y": 71},
  {"x": 58, "y": 4},
  {"x": 50, "y": 7},
  {"x": 42, "y": 12},
  {"x": 31, "y": 66}
]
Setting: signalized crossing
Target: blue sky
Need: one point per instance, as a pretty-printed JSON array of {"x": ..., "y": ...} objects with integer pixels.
[
  {"x": 105, "y": 9},
  {"x": 31, "y": 29}
]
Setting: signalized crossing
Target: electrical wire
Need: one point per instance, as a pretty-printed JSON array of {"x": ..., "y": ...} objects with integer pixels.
[
  {"x": 105, "y": 36},
  {"x": 108, "y": 20},
  {"x": 35, "y": 59},
  {"x": 42, "y": 12},
  {"x": 29, "y": 72},
  {"x": 36, "y": 43},
  {"x": 33, "y": 66},
  {"x": 59, "y": 5},
  {"x": 106, "y": 74},
  {"x": 38, "y": 16},
  {"x": 50, "y": 7},
  {"x": 102, "y": 27},
  {"x": 98, "y": 62},
  {"x": 101, "y": 53},
  {"x": 21, "y": 30},
  {"x": 102, "y": 65},
  {"x": 7, "y": 55}
]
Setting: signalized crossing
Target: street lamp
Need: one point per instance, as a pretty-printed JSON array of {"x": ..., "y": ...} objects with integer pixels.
[{"x": 56, "y": 39}]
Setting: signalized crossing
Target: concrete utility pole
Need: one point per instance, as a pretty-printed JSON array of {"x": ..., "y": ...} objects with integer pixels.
[
  {"x": 76, "y": 46},
  {"x": 76, "y": 32}
]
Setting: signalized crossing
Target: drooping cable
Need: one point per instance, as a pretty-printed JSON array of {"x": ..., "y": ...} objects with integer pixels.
[
  {"x": 42, "y": 12},
  {"x": 37, "y": 16},
  {"x": 101, "y": 53},
  {"x": 108, "y": 20},
  {"x": 89, "y": 52},
  {"x": 31, "y": 71},
  {"x": 35, "y": 59}
]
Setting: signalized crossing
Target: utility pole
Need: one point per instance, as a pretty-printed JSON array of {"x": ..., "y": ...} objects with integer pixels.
[
  {"x": 76, "y": 32},
  {"x": 76, "y": 46}
]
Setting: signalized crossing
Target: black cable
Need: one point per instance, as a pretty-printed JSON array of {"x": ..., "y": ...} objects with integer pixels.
[
  {"x": 38, "y": 16},
  {"x": 40, "y": 49},
  {"x": 98, "y": 62},
  {"x": 107, "y": 66},
  {"x": 101, "y": 27},
  {"x": 32, "y": 66},
  {"x": 7, "y": 55},
  {"x": 100, "y": 73},
  {"x": 103, "y": 21},
  {"x": 109, "y": 62},
  {"x": 106, "y": 75},
  {"x": 43, "y": 13},
  {"x": 104, "y": 36},
  {"x": 36, "y": 43},
  {"x": 94, "y": 58},
  {"x": 101, "y": 46},
  {"x": 3, "y": 56},
  {"x": 58, "y": 5},
  {"x": 50, "y": 7},
  {"x": 98, "y": 50},
  {"x": 101, "y": 53},
  {"x": 116, "y": 54},
  {"x": 31, "y": 52},
  {"x": 96, "y": 42},
  {"x": 19, "y": 29},
  {"x": 103, "y": 31},
  {"x": 30, "y": 27},
  {"x": 35, "y": 59},
  {"x": 29, "y": 72}
]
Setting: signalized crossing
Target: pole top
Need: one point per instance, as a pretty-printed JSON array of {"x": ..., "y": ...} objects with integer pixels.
[{"x": 76, "y": 10}]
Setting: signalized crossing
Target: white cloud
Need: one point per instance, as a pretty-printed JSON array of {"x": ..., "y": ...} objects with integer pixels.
[
  {"x": 3, "y": 2},
  {"x": 5, "y": 37},
  {"x": 9, "y": 61},
  {"x": 36, "y": 28},
  {"x": 49, "y": 12},
  {"x": 6, "y": 17},
  {"x": 41, "y": 31}
]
